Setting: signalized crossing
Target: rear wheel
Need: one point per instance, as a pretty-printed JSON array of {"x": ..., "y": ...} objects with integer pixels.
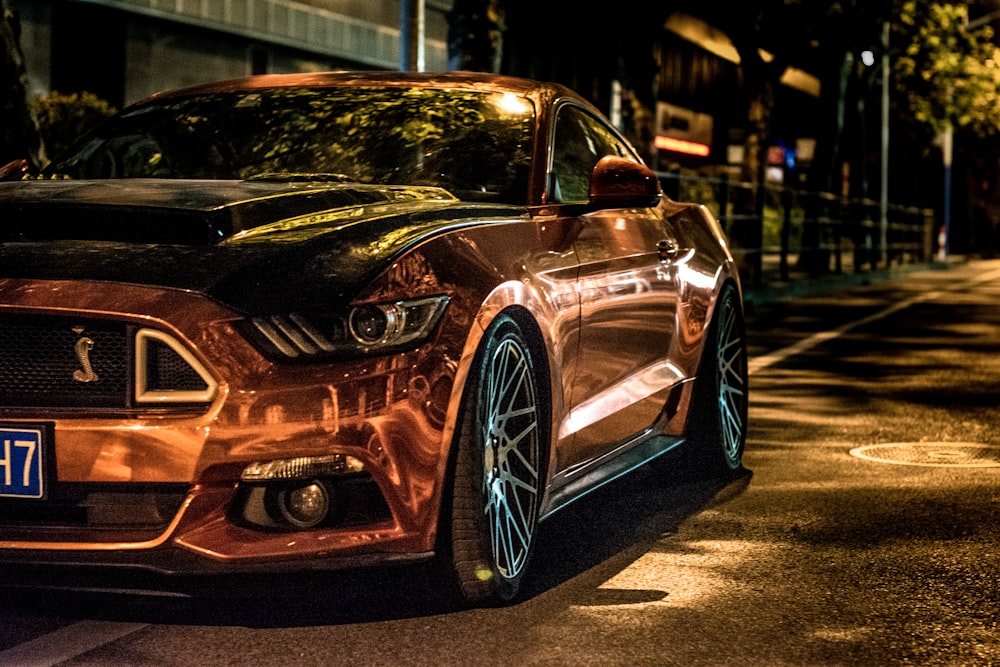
[
  {"x": 498, "y": 471},
  {"x": 717, "y": 426}
]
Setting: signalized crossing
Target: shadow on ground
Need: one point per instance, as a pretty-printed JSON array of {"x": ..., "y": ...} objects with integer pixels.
[{"x": 628, "y": 515}]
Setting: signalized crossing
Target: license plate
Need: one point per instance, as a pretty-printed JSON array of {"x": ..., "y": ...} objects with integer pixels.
[{"x": 22, "y": 463}]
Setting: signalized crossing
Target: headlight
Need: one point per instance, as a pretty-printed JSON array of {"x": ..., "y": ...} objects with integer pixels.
[
  {"x": 373, "y": 328},
  {"x": 371, "y": 325}
]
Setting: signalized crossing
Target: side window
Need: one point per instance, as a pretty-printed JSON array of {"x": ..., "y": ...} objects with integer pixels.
[{"x": 580, "y": 141}]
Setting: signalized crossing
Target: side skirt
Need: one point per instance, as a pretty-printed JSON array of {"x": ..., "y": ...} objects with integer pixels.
[{"x": 633, "y": 454}]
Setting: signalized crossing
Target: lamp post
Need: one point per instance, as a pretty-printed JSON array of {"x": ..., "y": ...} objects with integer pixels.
[
  {"x": 947, "y": 148},
  {"x": 411, "y": 35},
  {"x": 883, "y": 203}
]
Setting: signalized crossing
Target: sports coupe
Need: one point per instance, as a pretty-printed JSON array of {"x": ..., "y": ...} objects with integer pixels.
[{"x": 348, "y": 319}]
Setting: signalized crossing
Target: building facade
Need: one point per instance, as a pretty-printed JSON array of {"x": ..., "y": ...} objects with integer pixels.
[{"x": 125, "y": 50}]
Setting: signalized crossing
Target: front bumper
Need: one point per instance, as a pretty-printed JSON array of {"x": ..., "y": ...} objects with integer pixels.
[{"x": 159, "y": 489}]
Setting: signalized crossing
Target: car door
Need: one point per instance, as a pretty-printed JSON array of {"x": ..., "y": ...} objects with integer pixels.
[{"x": 627, "y": 299}]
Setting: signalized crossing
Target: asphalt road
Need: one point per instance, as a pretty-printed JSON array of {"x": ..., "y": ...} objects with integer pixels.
[{"x": 866, "y": 530}]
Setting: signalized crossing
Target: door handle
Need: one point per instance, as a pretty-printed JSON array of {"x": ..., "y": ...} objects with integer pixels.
[{"x": 668, "y": 252}]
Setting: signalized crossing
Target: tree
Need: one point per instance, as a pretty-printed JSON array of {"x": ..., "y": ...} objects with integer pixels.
[
  {"x": 19, "y": 133},
  {"x": 595, "y": 50},
  {"x": 64, "y": 118},
  {"x": 475, "y": 35},
  {"x": 948, "y": 75}
]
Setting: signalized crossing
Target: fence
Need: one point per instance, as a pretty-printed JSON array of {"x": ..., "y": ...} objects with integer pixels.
[{"x": 784, "y": 235}]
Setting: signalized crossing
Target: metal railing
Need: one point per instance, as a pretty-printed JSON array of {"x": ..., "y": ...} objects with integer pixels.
[{"x": 781, "y": 235}]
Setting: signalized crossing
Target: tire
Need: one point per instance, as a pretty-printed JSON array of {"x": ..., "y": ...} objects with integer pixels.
[
  {"x": 498, "y": 474},
  {"x": 717, "y": 426}
]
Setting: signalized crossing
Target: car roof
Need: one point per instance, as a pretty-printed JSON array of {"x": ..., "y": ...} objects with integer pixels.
[{"x": 390, "y": 79}]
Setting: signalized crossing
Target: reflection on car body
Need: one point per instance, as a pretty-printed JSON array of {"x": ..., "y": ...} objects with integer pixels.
[{"x": 329, "y": 320}]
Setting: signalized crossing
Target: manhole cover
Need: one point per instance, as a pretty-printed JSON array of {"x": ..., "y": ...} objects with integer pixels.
[{"x": 938, "y": 454}]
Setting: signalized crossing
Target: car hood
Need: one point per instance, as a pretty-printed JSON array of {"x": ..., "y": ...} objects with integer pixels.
[{"x": 256, "y": 246}]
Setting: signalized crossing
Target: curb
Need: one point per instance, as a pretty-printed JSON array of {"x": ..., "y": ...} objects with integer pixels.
[{"x": 778, "y": 291}]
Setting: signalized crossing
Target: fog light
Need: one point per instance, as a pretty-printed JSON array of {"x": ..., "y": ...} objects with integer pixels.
[{"x": 305, "y": 506}]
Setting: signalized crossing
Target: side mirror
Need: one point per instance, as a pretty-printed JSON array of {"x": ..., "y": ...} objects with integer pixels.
[{"x": 620, "y": 183}]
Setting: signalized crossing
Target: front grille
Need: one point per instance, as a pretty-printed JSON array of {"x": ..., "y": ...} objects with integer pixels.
[
  {"x": 63, "y": 362},
  {"x": 167, "y": 371}
]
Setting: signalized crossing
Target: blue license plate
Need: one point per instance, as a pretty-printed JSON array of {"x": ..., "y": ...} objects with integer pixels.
[{"x": 22, "y": 468}]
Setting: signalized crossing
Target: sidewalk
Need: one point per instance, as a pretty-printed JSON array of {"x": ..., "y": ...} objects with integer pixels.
[{"x": 776, "y": 291}]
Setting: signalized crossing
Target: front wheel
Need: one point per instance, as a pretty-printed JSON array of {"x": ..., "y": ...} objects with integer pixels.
[
  {"x": 498, "y": 471},
  {"x": 717, "y": 425}
]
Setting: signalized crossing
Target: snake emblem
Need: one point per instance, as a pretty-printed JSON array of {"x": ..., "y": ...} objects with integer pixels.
[{"x": 86, "y": 372}]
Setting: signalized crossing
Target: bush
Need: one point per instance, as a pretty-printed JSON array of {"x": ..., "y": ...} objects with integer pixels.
[{"x": 64, "y": 118}]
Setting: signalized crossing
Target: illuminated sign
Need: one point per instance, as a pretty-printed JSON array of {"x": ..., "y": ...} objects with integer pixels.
[
  {"x": 682, "y": 130},
  {"x": 681, "y": 146}
]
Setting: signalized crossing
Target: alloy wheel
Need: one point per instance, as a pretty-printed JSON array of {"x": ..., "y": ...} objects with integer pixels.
[
  {"x": 731, "y": 364},
  {"x": 511, "y": 480}
]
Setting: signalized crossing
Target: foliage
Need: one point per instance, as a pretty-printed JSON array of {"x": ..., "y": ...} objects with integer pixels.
[
  {"x": 462, "y": 140},
  {"x": 475, "y": 35},
  {"x": 948, "y": 74},
  {"x": 63, "y": 118},
  {"x": 19, "y": 135}
]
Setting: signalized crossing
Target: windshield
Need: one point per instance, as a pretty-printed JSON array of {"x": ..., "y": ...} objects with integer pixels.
[{"x": 475, "y": 144}]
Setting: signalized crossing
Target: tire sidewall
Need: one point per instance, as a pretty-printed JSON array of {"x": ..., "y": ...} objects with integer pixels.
[
  {"x": 705, "y": 421},
  {"x": 469, "y": 546}
]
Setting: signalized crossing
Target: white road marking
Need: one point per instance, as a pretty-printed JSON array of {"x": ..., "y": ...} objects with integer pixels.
[
  {"x": 66, "y": 643},
  {"x": 760, "y": 363}
]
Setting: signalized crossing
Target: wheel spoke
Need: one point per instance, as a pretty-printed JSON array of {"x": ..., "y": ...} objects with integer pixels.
[
  {"x": 511, "y": 474},
  {"x": 510, "y": 541},
  {"x": 732, "y": 392}
]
